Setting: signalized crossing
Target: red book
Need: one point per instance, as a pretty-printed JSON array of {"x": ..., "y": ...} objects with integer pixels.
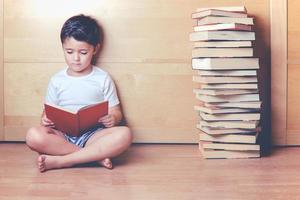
[{"x": 75, "y": 123}]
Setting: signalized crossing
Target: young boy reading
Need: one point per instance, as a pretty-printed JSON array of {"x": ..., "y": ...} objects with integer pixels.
[{"x": 78, "y": 85}]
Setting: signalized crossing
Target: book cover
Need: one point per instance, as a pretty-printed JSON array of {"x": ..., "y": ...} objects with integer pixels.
[{"x": 74, "y": 123}]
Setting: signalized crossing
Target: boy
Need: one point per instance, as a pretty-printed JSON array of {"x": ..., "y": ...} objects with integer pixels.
[{"x": 78, "y": 85}]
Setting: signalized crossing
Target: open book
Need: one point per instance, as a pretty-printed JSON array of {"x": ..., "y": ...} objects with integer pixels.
[{"x": 75, "y": 123}]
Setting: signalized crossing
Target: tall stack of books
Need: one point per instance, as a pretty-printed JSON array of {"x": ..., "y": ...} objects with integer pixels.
[{"x": 227, "y": 85}]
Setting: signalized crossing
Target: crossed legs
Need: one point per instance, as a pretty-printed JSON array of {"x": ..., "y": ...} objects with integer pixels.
[{"x": 56, "y": 152}]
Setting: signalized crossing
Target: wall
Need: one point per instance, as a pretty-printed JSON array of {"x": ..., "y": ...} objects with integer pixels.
[
  {"x": 293, "y": 73},
  {"x": 146, "y": 50},
  {"x": 1, "y": 74}
]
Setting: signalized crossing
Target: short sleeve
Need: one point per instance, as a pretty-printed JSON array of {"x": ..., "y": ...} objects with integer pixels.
[
  {"x": 110, "y": 92},
  {"x": 51, "y": 96}
]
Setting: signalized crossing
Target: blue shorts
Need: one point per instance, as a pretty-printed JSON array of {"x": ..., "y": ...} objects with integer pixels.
[{"x": 82, "y": 139}]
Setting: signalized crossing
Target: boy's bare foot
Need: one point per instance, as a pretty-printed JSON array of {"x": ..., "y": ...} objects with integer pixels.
[
  {"x": 106, "y": 163},
  {"x": 46, "y": 162}
]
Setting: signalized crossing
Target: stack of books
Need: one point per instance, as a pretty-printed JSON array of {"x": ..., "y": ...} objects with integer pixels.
[{"x": 227, "y": 85}]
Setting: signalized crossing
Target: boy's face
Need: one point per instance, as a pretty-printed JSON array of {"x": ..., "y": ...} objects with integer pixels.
[{"x": 78, "y": 55}]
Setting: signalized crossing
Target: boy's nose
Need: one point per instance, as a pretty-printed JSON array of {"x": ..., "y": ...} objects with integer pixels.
[{"x": 76, "y": 56}]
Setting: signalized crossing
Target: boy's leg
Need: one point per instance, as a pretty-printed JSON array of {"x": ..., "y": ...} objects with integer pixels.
[
  {"x": 106, "y": 143},
  {"x": 45, "y": 140}
]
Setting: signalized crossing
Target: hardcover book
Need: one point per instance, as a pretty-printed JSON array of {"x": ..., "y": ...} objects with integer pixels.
[
  {"x": 222, "y": 52},
  {"x": 230, "y": 147},
  {"x": 212, "y": 92},
  {"x": 230, "y": 124},
  {"x": 227, "y": 72},
  {"x": 249, "y": 104},
  {"x": 230, "y": 86},
  {"x": 75, "y": 123},
  {"x": 223, "y": 131},
  {"x": 226, "y": 8},
  {"x": 211, "y": 110},
  {"x": 202, "y": 44},
  {"x": 227, "y": 79},
  {"x": 230, "y": 154},
  {"x": 225, "y": 63},
  {"x": 222, "y": 35},
  {"x": 228, "y": 98},
  {"x": 230, "y": 138},
  {"x": 218, "y": 19},
  {"x": 230, "y": 117},
  {"x": 225, "y": 26},
  {"x": 213, "y": 12}
]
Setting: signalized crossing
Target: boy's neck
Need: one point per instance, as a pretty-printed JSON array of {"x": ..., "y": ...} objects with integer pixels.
[{"x": 84, "y": 72}]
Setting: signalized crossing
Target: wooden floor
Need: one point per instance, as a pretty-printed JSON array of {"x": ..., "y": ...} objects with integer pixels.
[{"x": 153, "y": 172}]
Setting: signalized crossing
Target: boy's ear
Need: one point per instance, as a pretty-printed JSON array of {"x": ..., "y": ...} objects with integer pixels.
[{"x": 96, "y": 48}]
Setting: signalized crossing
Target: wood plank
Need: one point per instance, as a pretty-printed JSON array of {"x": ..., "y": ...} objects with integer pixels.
[
  {"x": 293, "y": 107},
  {"x": 18, "y": 133},
  {"x": 279, "y": 70},
  {"x": 1, "y": 73},
  {"x": 293, "y": 32},
  {"x": 25, "y": 87},
  {"x": 293, "y": 137},
  {"x": 160, "y": 172}
]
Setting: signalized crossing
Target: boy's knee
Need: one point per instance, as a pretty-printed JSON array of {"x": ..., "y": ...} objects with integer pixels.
[
  {"x": 34, "y": 138},
  {"x": 125, "y": 134}
]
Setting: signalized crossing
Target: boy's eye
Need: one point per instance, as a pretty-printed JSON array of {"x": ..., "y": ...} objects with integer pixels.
[
  {"x": 83, "y": 52},
  {"x": 69, "y": 52}
]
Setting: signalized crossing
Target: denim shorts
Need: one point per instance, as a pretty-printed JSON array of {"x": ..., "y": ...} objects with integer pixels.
[{"x": 82, "y": 139}]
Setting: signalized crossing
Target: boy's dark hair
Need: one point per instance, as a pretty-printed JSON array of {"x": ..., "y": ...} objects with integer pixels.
[{"x": 81, "y": 28}]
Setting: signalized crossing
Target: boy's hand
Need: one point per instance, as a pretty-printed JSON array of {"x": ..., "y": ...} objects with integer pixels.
[
  {"x": 108, "y": 120},
  {"x": 46, "y": 122}
]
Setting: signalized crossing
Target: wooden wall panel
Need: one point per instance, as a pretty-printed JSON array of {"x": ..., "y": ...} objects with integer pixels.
[
  {"x": 146, "y": 50},
  {"x": 293, "y": 106},
  {"x": 1, "y": 74},
  {"x": 293, "y": 88},
  {"x": 279, "y": 70}
]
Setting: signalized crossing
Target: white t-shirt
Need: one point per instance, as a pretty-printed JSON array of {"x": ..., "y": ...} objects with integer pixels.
[{"x": 72, "y": 92}]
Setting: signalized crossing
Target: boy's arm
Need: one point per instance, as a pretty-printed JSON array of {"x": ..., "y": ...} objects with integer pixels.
[{"x": 113, "y": 118}]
